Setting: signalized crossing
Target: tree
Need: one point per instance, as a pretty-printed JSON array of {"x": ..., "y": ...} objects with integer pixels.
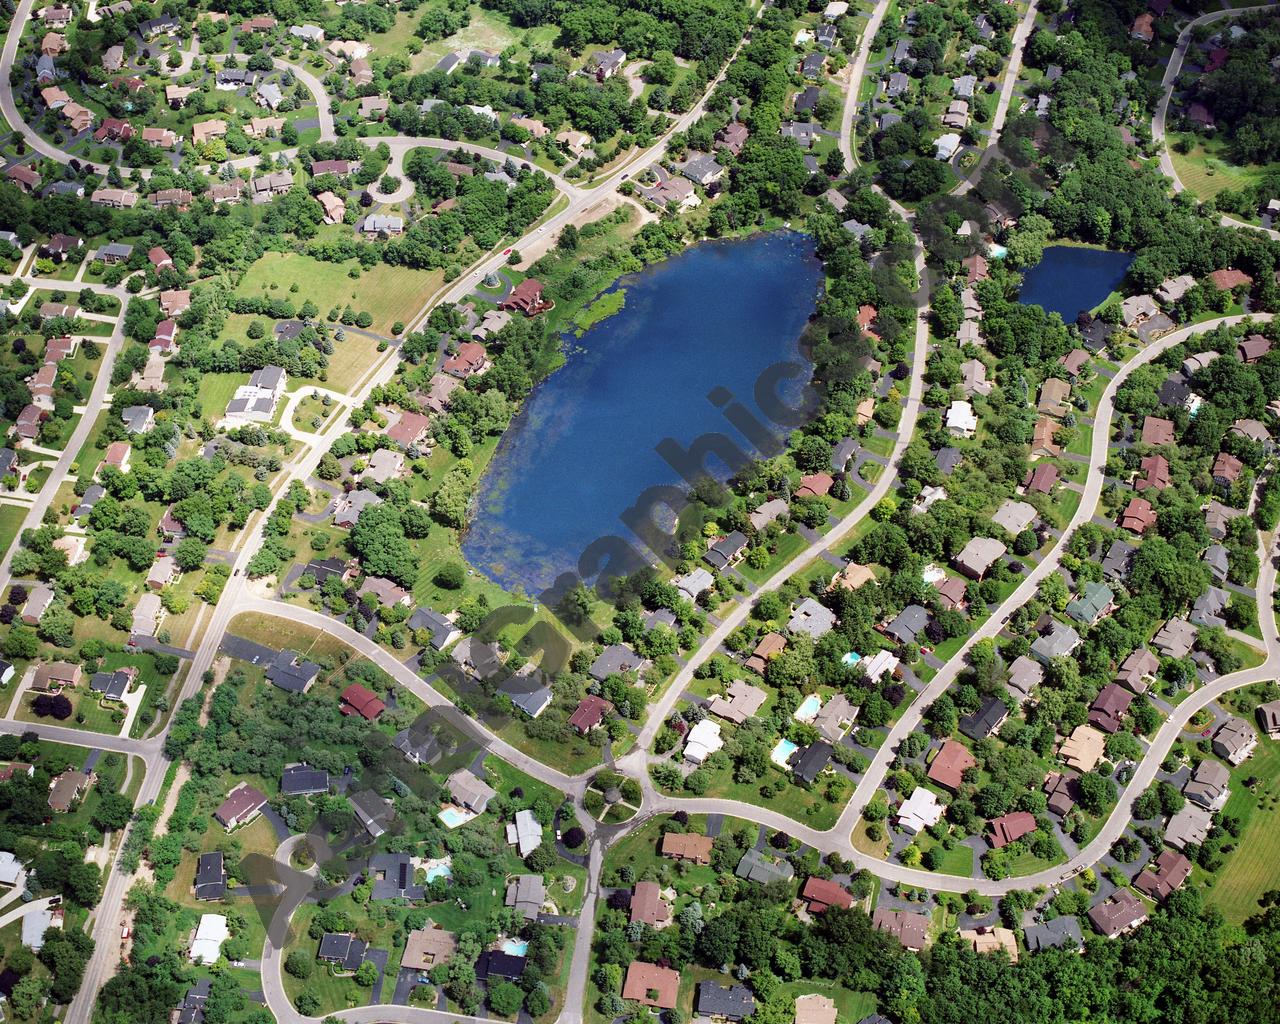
[
  {"x": 451, "y": 576},
  {"x": 27, "y": 996},
  {"x": 299, "y": 964},
  {"x": 505, "y": 998},
  {"x": 52, "y": 705},
  {"x": 21, "y": 642},
  {"x": 189, "y": 553},
  {"x": 112, "y": 813},
  {"x": 367, "y": 974},
  {"x": 574, "y": 837}
]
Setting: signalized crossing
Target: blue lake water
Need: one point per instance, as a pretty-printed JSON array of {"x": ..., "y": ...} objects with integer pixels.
[
  {"x": 583, "y": 448},
  {"x": 1069, "y": 279}
]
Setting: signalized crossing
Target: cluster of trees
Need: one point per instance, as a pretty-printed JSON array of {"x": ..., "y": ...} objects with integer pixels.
[{"x": 1240, "y": 93}]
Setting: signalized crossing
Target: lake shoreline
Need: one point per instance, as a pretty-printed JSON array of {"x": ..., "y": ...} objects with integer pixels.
[{"x": 651, "y": 343}]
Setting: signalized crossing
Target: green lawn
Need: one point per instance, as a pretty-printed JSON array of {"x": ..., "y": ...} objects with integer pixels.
[
  {"x": 850, "y": 1006},
  {"x": 1251, "y": 869},
  {"x": 11, "y": 518},
  {"x": 1206, "y": 170},
  {"x": 387, "y": 293}
]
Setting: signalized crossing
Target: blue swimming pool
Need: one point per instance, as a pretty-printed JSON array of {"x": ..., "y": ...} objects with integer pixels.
[
  {"x": 809, "y": 708},
  {"x": 852, "y": 658},
  {"x": 516, "y": 947},
  {"x": 782, "y": 752},
  {"x": 454, "y": 816},
  {"x": 439, "y": 871}
]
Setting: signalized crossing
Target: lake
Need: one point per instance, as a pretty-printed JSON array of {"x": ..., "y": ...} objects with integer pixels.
[
  {"x": 1070, "y": 279},
  {"x": 583, "y": 447}
]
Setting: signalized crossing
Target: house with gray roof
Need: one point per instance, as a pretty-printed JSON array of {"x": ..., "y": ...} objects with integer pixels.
[
  {"x": 962, "y": 88},
  {"x": 1060, "y": 933},
  {"x": 138, "y": 419},
  {"x": 1118, "y": 559},
  {"x": 897, "y": 85},
  {"x": 726, "y": 550},
  {"x": 1209, "y": 785},
  {"x": 702, "y": 169},
  {"x": 812, "y": 618},
  {"x": 1207, "y": 609},
  {"x": 1024, "y": 674},
  {"x": 1215, "y": 558},
  {"x": 1175, "y": 638},
  {"x": 443, "y": 632},
  {"x": 732, "y": 1002},
  {"x": 291, "y": 673},
  {"x": 909, "y": 624},
  {"x": 527, "y": 894},
  {"x": 1058, "y": 642},
  {"x": 615, "y": 659},
  {"x": 761, "y": 868}
]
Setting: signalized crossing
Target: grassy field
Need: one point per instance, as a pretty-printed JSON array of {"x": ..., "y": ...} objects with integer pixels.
[
  {"x": 1251, "y": 869},
  {"x": 1205, "y": 171},
  {"x": 387, "y": 293},
  {"x": 11, "y": 517}
]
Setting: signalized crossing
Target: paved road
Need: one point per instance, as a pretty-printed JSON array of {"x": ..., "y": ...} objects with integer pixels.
[{"x": 1172, "y": 70}]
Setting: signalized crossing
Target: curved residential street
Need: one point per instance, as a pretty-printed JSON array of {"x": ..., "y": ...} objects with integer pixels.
[
  {"x": 1158, "y": 122},
  {"x": 579, "y": 198}
]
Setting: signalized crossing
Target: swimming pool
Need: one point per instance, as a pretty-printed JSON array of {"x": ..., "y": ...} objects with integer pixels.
[
  {"x": 809, "y": 708},
  {"x": 997, "y": 252},
  {"x": 516, "y": 947},
  {"x": 852, "y": 658},
  {"x": 455, "y": 816},
  {"x": 438, "y": 869},
  {"x": 781, "y": 752}
]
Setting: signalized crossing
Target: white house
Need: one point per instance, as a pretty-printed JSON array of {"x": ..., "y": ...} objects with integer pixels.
[{"x": 703, "y": 741}]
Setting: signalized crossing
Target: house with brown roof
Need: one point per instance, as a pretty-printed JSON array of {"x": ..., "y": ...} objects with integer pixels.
[
  {"x": 1230, "y": 279},
  {"x": 950, "y": 763},
  {"x": 1054, "y": 396},
  {"x": 1143, "y": 29},
  {"x": 1153, "y": 474},
  {"x": 26, "y": 178},
  {"x": 590, "y": 712},
  {"x": 162, "y": 137},
  {"x": 978, "y": 556},
  {"x": 1253, "y": 348},
  {"x": 770, "y": 644},
  {"x": 1122, "y": 913},
  {"x": 160, "y": 259},
  {"x": 425, "y": 948},
  {"x": 1109, "y": 708},
  {"x": 1269, "y": 718},
  {"x": 738, "y": 703},
  {"x": 51, "y": 678},
  {"x": 470, "y": 360},
  {"x": 1226, "y": 470},
  {"x": 243, "y": 804},
  {"x": 69, "y": 787},
  {"x": 1138, "y": 670},
  {"x": 1061, "y": 790},
  {"x": 527, "y": 298},
  {"x": 206, "y": 131},
  {"x": 813, "y": 1008},
  {"x": 1163, "y": 876},
  {"x": 991, "y": 939},
  {"x": 814, "y": 485},
  {"x": 821, "y": 894},
  {"x": 648, "y": 906},
  {"x": 651, "y": 985},
  {"x": 357, "y": 699},
  {"x": 334, "y": 208},
  {"x": 410, "y": 429},
  {"x": 1083, "y": 749},
  {"x": 1010, "y": 827},
  {"x": 1138, "y": 516},
  {"x": 912, "y": 930},
  {"x": 175, "y": 301},
  {"x": 1043, "y": 439},
  {"x": 687, "y": 846},
  {"x": 1040, "y": 479}
]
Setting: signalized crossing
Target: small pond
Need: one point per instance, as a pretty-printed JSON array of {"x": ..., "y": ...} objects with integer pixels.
[{"x": 1070, "y": 280}]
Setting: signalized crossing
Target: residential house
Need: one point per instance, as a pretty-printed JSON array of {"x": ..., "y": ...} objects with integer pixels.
[
  {"x": 1109, "y": 708},
  {"x": 1188, "y": 827},
  {"x": 1014, "y": 516},
  {"x": 590, "y": 712},
  {"x": 357, "y": 699},
  {"x": 911, "y": 930},
  {"x": 1058, "y": 642},
  {"x": 1235, "y": 741},
  {"x": 919, "y": 811},
  {"x": 469, "y": 791},
  {"x": 983, "y": 723},
  {"x": 1138, "y": 516},
  {"x": 1209, "y": 785},
  {"x": 290, "y": 672},
  {"x": 770, "y": 645},
  {"x": 651, "y": 985},
  {"x": 69, "y": 787},
  {"x": 527, "y": 298},
  {"x": 759, "y": 867},
  {"x": 1122, "y": 913},
  {"x": 687, "y": 846},
  {"x": 1138, "y": 670},
  {"x": 909, "y": 624},
  {"x": 1175, "y": 638},
  {"x": 811, "y": 618},
  {"x": 243, "y": 804},
  {"x": 1094, "y": 601},
  {"x": 740, "y": 702},
  {"x": 978, "y": 556},
  {"x": 1164, "y": 876},
  {"x": 950, "y": 763},
  {"x": 1269, "y": 718}
]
